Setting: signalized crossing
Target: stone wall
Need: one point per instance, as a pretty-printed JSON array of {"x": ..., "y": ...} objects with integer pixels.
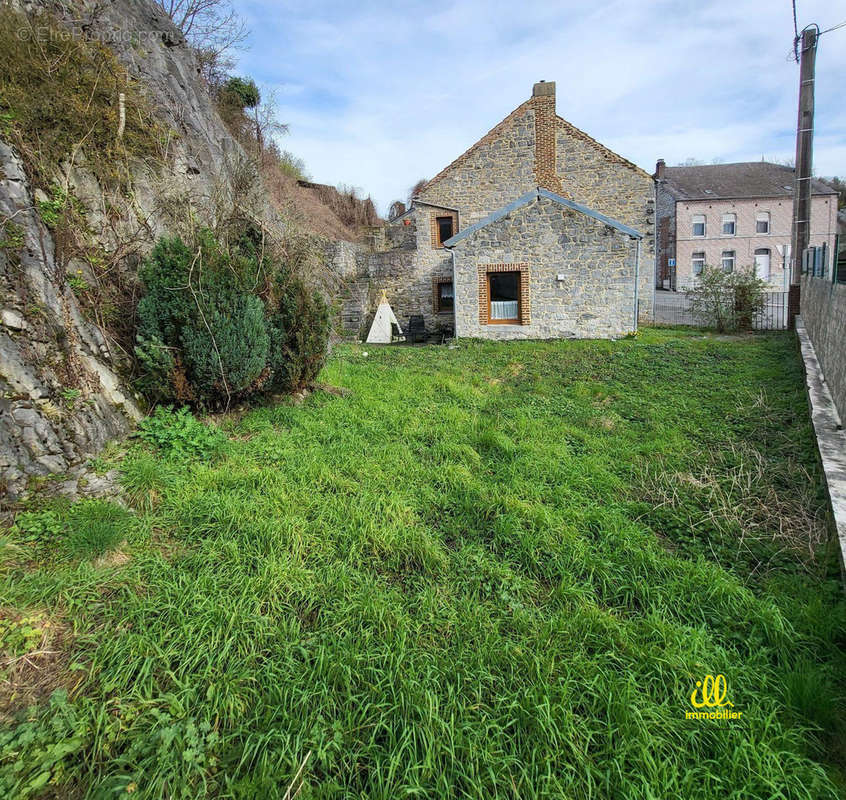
[
  {"x": 598, "y": 178},
  {"x": 403, "y": 266},
  {"x": 499, "y": 168},
  {"x": 595, "y": 297},
  {"x": 823, "y": 305}
]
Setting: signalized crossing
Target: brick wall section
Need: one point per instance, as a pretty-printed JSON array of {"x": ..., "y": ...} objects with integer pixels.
[
  {"x": 823, "y": 305},
  {"x": 543, "y": 103},
  {"x": 484, "y": 290},
  {"x": 594, "y": 299}
]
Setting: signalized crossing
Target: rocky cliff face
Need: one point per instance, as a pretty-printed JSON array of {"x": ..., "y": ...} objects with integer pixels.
[{"x": 63, "y": 385}]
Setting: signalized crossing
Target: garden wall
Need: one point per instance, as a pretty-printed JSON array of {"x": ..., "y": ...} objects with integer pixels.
[{"x": 823, "y": 307}]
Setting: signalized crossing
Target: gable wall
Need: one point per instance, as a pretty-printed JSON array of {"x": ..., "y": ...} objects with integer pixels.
[
  {"x": 493, "y": 173},
  {"x": 595, "y": 297},
  {"x": 600, "y": 180}
]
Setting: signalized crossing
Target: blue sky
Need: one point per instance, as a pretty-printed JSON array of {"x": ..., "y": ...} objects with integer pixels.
[{"x": 378, "y": 95}]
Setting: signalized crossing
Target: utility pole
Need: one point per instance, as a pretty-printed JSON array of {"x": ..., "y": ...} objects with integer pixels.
[{"x": 804, "y": 158}]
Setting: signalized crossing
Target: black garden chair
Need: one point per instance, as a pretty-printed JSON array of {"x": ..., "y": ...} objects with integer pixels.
[{"x": 416, "y": 331}]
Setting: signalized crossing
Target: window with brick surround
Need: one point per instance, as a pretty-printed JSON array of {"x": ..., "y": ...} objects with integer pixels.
[
  {"x": 444, "y": 226},
  {"x": 762, "y": 222},
  {"x": 729, "y": 224},
  {"x": 728, "y": 260},
  {"x": 697, "y": 263},
  {"x": 699, "y": 225},
  {"x": 443, "y": 295},
  {"x": 504, "y": 294}
]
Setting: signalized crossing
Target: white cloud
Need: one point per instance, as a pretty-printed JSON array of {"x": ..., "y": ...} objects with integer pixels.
[{"x": 378, "y": 95}]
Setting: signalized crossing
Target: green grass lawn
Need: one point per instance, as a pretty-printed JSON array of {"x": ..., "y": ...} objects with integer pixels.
[{"x": 493, "y": 570}]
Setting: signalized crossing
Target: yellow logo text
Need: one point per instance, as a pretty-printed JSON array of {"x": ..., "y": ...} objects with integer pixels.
[{"x": 712, "y": 693}]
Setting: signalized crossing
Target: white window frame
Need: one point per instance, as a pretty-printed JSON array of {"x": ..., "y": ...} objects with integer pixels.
[
  {"x": 698, "y": 219},
  {"x": 728, "y": 255},
  {"x": 697, "y": 259},
  {"x": 729, "y": 219},
  {"x": 762, "y": 216}
]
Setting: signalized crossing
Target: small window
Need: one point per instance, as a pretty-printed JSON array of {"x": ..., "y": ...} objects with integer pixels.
[
  {"x": 504, "y": 298},
  {"x": 728, "y": 260},
  {"x": 445, "y": 229},
  {"x": 699, "y": 225},
  {"x": 729, "y": 224},
  {"x": 444, "y": 296},
  {"x": 697, "y": 263},
  {"x": 762, "y": 222}
]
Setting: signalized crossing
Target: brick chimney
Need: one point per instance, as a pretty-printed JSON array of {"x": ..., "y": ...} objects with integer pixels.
[
  {"x": 659, "y": 169},
  {"x": 543, "y": 103}
]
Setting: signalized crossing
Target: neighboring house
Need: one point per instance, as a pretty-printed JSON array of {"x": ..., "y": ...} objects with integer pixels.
[
  {"x": 536, "y": 231},
  {"x": 733, "y": 216}
]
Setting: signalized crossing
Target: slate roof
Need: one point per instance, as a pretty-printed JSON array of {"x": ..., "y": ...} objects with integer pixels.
[
  {"x": 530, "y": 197},
  {"x": 747, "y": 179}
]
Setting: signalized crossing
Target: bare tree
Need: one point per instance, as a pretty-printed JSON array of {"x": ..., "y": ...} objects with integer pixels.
[
  {"x": 416, "y": 189},
  {"x": 265, "y": 117},
  {"x": 212, "y": 28}
]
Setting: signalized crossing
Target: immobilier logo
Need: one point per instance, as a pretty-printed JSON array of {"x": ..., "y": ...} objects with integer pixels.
[{"x": 710, "y": 700}]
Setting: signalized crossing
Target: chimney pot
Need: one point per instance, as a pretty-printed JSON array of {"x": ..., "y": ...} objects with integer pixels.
[
  {"x": 659, "y": 169},
  {"x": 544, "y": 89}
]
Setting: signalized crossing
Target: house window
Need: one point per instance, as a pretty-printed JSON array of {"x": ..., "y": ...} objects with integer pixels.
[
  {"x": 697, "y": 263},
  {"x": 504, "y": 294},
  {"x": 444, "y": 296},
  {"x": 504, "y": 297},
  {"x": 729, "y": 224},
  {"x": 699, "y": 225},
  {"x": 762, "y": 222},
  {"x": 728, "y": 260},
  {"x": 444, "y": 226}
]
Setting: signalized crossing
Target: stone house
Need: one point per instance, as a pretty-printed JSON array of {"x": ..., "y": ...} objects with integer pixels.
[
  {"x": 536, "y": 231},
  {"x": 733, "y": 216}
]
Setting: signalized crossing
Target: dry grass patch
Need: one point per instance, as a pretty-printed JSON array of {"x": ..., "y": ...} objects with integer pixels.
[{"x": 33, "y": 660}]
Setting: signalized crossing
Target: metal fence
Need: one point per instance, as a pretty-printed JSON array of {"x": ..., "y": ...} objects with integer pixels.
[{"x": 674, "y": 308}]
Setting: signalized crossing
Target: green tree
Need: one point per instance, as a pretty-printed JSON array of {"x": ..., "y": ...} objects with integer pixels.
[{"x": 727, "y": 300}]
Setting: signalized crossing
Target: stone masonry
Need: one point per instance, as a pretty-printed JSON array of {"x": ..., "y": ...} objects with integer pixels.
[
  {"x": 532, "y": 147},
  {"x": 824, "y": 315},
  {"x": 594, "y": 297}
]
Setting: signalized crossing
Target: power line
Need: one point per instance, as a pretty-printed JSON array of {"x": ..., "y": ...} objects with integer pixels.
[{"x": 833, "y": 28}]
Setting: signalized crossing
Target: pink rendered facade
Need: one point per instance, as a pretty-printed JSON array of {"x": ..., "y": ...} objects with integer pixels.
[{"x": 768, "y": 252}]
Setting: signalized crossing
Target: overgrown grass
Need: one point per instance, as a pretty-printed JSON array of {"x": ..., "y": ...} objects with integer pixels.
[
  {"x": 490, "y": 571},
  {"x": 59, "y": 100}
]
